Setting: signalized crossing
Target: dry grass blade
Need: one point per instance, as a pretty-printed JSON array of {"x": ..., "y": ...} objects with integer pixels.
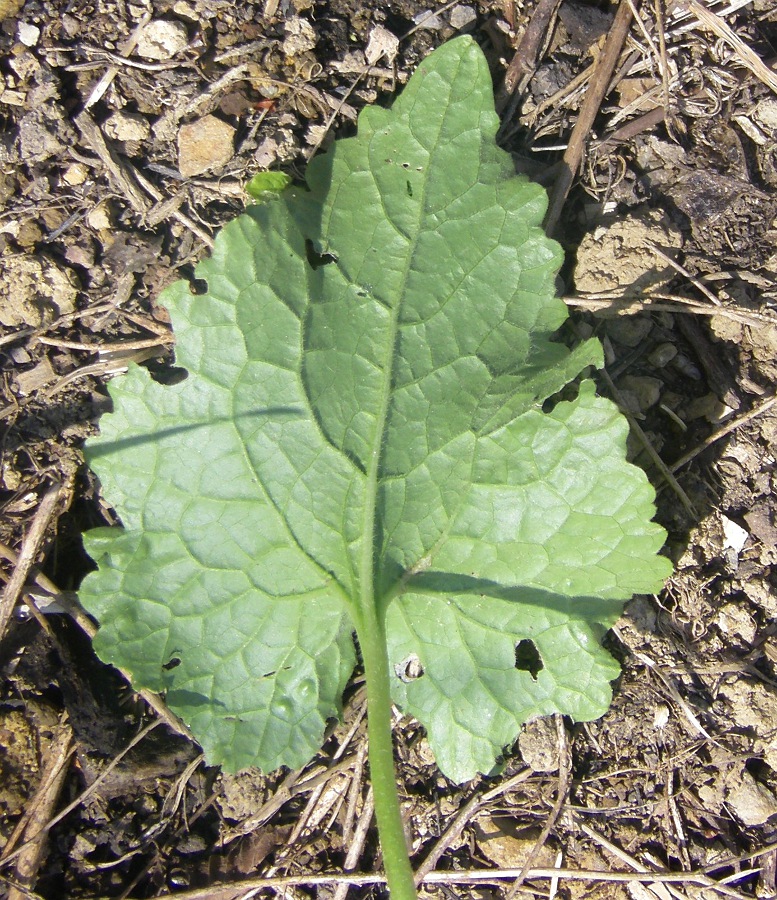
[
  {"x": 30, "y": 547},
  {"x": 562, "y": 792},
  {"x": 643, "y": 439},
  {"x": 619, "y": 305},
  {"x": 229, "y": 890},
  {"x": 721, "y": 29},
  {"x": 357, "y": 843},
  {"x": 462, "y": 818},
  {"x": 120, "y": 174},
  {"x": 125, "y": 49},
  {"x": 81, "y": 798},
  {"x": 759, "y": 410},
  {"x": 39, "y": 811}
]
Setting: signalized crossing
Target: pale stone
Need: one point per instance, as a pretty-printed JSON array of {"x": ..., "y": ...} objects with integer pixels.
[
  {"x": 205, "y": 144},
  {"x": 734, "y": 620},
  {"x": 462, "y": 16},
  {"x": 75, "y": 174},
  {"x": 766, "y": 114},
  {"x": 127, "y": 126},
  {"x": 621, "y": 255},
  {"x": 299, "y": 37},
  {"x": 734, "y": 536},
  {"x": 13, "y": 98},
  {"x": 662, "y": 354},
  {"x": 752, "y": 802},
  {"x": 28, "y": 35},
  {"x": 381, "y": 45},
  {"x": 161, "y": 40},
  {"x": 643, "y": 390},
  {"x": 538, "y": 743},
  {"x": 99, "y": 218},
  {"x": 428, "y": 20}
]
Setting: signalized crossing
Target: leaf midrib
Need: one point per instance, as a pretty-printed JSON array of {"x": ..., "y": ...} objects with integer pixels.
[{"x": 368, "y": 602}]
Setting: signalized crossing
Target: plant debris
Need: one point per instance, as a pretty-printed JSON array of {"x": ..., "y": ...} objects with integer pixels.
[{"x": 678, "y": 780}]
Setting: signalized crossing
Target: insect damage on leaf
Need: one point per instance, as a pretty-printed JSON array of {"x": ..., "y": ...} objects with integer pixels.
[{"x": 361, "y": 438}]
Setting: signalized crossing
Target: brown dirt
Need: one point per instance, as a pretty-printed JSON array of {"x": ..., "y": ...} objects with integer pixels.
[{"x": 681, "y": 775}]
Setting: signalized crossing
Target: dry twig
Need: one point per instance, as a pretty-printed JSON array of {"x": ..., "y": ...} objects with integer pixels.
[
  {"x": 616, "y": 304},
  {"x": 527, "y": 54},
  {"x": 125, "y": 48},
  {"x": 596, "y": 92}
]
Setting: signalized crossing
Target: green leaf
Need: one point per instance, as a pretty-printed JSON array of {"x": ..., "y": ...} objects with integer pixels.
[
  {"x": 265, "y": 184},
  {"x": 360, "y": 440}
]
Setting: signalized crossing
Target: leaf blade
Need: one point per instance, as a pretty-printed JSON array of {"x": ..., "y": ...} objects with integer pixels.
[{"x": 362, "y": 416}]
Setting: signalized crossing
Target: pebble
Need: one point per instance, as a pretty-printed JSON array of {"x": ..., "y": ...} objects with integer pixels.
[
  {"x": 75, "y": 174},
  {"x": 205, "y": 144},
  {"x": 382, "y": 43},
  {"x": 709, "y": 407},
  {"x": 127, "y": 126},
  {"x": 538, "y": 743},
  {"x": 734, "y": 536},
  {"x": 14, "y": 98},
  {"x": 34, "y": 379},
  {"x": 299, "y": 37},
  {"x": 428, "y": 20},
  {"x": 161, "y": 40},
  {"x": 99, "y": 218},
  {"x": 640, "y": 390},
  {"x": 9, "y": 8},
  {"x": 663, "y": 354},
  {"x": 737, "y": 622},
  {"x": 766, "y": 114},
  {"x": 462, "y": 16},
  {"x": 28, "y": 34},
  {"x": 752, "y": 802},
  {"x": 629, "y": 331},
  {"x": 187, "y": 10}
]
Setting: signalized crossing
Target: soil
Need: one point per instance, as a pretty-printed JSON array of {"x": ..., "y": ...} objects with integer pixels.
[{"x": 122, "y": 152}]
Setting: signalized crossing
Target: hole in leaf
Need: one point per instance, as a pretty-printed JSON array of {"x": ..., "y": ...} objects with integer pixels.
[
  {"x": 316, "y": 259},
  {"x": 566, "y": 395},
  {"x": 172, "y": 663},
  {"x": 410, "y": 669},
  {"x": 528, "y": 659},
  {"x": 168, "y": 375},
  {"x": 198, "y": 286}
]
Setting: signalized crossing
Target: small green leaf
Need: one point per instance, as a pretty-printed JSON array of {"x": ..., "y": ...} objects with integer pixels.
[
  {"x": 264, "y": 183},
  {"x": 360, "y": 443}
]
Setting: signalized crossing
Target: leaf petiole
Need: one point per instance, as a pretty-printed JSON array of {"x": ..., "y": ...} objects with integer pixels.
[{"x": 371, "y": 633}]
